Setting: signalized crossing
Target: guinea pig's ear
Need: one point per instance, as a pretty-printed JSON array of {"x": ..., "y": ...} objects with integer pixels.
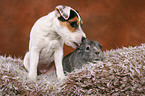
[
  {"x": 98, "y": 44},
  {"x": 86, "y": 40},
  {"x": 62, "y": 12},
  {"x": 83, "y": 38}
]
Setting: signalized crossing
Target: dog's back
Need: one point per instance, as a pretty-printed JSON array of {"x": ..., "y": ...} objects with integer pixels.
[{"x": 89, "y": 51}]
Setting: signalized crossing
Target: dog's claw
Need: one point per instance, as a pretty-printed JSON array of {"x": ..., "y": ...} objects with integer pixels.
[
  {"x": 32, "y": 77},
  {"x": 61, "y": 77}
]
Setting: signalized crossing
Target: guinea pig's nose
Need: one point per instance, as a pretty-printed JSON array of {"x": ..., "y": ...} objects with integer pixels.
[
  {"x": 97, "y": 53},
  {"x": 83, "y": 38}
]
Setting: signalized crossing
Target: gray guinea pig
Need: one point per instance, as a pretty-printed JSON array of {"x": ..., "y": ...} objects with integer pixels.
[{"x": 88, "y": 51}]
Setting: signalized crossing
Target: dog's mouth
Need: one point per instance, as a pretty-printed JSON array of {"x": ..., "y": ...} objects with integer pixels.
[{"x": 78, "y": 45}]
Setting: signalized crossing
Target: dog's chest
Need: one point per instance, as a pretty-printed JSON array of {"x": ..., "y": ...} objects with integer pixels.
[{"x": 47, "y": 52}]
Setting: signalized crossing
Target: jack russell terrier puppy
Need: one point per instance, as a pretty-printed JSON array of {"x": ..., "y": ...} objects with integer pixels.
[{"x": 47, "y": 37}]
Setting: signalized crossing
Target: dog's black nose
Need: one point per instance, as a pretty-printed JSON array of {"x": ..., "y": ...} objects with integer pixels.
[{"x": 83, "y": 38}]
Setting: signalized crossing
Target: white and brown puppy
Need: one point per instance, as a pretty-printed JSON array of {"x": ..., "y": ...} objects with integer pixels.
[{"x": 47, "y": 37}]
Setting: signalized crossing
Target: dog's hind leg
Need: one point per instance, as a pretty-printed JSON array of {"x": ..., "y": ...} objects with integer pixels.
[{"x": 26, "y": 61}]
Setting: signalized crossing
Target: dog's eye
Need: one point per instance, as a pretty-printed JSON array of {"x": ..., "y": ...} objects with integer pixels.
[{"x": 73, "y": 24}]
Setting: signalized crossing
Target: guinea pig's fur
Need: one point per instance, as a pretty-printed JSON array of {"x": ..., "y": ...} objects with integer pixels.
[{"x": 88, "y": 51}]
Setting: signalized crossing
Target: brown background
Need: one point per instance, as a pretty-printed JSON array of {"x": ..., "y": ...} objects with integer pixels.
[{"x": 114, "y": 23}]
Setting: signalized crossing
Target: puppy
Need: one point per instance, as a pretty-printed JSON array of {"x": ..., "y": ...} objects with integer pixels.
[{"x": 47, "y": 37}]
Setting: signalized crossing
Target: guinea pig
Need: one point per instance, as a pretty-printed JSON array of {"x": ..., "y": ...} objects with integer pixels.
[{"x": 88, "y": 51}]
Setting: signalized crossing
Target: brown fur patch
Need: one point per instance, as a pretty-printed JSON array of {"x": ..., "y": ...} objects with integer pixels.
[{"x": 66, "y": 23}]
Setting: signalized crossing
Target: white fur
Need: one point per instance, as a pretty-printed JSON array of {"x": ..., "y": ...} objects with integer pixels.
[{"x": 46, "y": 44}]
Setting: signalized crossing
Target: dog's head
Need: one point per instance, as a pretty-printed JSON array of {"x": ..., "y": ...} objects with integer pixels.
[{"x": 69, "y": 25}]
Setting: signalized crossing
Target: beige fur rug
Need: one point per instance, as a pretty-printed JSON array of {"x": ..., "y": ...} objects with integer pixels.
[{"x": 122, "y": 73}]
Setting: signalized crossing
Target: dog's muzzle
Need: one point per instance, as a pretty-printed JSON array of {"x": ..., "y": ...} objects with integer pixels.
[{"x": 79, "y": 44}]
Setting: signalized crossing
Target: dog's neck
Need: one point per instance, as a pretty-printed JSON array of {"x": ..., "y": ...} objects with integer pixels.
[{"x": 49, "y": 25}]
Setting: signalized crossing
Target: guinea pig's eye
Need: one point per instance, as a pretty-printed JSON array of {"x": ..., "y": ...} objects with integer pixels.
[
  {"x": 73, "y": 24},
  {"x": 87, "y": 48}
]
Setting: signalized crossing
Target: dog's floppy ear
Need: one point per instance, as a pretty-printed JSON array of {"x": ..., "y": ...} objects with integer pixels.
[{"x": 63, "y": 11}]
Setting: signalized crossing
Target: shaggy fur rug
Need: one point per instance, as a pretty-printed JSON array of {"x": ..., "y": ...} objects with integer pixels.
[{"x": 122, "y": 73}]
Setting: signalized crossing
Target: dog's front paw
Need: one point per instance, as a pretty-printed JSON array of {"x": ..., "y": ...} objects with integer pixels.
[
  {"x": 32, "y": 77},
  {"x": 61, "y": 77}
]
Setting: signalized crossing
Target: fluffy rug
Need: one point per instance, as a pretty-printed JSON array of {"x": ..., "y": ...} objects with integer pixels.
[{"x": 122, "y": 73}]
